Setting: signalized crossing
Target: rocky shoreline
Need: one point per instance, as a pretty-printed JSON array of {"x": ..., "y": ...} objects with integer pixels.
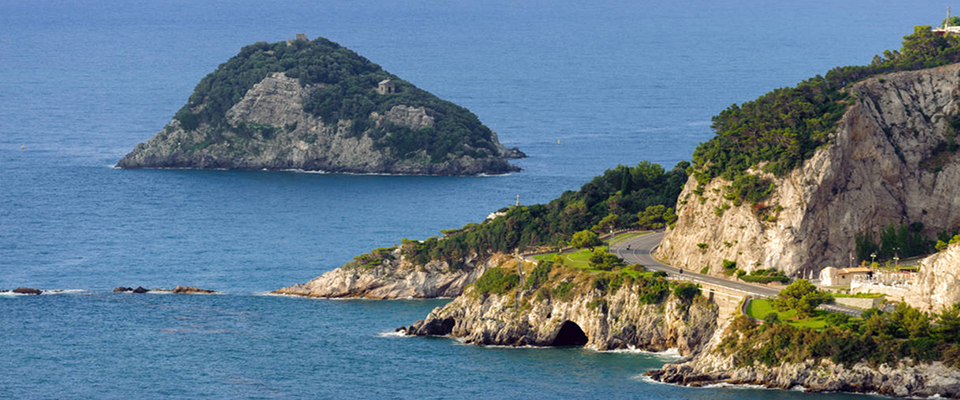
[
  {"x": 904, "y": 380},
  {"x": 395, "y": 278}
]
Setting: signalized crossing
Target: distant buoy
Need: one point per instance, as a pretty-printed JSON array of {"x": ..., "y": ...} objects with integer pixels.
[
  {"x": 21, "y": 147},
  {"x": 558, "y": 142}
]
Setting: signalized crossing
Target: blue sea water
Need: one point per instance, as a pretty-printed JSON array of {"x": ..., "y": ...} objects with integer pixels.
[{"x": 82, "y": 82}]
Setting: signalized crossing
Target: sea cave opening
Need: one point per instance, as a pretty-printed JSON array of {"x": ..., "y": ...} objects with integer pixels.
[{"x": 570, "y": 335}]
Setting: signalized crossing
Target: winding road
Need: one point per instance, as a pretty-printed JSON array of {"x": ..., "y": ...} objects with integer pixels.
[{"x": 639, "y": 250}]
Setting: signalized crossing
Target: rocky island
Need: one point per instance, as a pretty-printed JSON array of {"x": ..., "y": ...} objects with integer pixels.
[{"x": 314, "y": 105}]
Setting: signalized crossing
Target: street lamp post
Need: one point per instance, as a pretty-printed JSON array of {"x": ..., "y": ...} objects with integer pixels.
[
  {"x": 873, "y": 258},
  {"x": 896, "y": 257}
]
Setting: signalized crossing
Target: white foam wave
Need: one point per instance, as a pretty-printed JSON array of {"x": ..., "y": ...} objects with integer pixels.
[
  {"x": 671, "y": 354},
  {"x": 648, "y": 379},
  {"x": 735, "y": 386},
  {"x": 402, "y": 334},
  {"x": 49, "y": 292},
  {"x": 300, "y": 171},
  {"x": 63, "y": 291}
]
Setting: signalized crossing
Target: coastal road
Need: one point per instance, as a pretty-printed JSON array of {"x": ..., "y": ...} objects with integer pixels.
[{"x": 641, "y": 252}]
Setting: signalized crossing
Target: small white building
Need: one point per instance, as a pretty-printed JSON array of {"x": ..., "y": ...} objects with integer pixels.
[{"x": 831, "y": 276}]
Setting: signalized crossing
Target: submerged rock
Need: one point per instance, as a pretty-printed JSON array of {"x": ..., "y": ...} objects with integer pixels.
[
  {"x": 27, "y": 290},
  {"x": 190, "y": 290}
]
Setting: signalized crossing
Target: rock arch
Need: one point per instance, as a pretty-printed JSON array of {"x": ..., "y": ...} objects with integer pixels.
[{"x": 570, "y": 334}]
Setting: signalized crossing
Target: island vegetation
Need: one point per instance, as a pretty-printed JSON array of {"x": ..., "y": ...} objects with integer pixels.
[{"x": 344, "y": 90}]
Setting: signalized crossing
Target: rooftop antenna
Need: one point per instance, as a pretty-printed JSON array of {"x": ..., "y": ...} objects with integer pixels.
[{"x": 947, "y": 22}]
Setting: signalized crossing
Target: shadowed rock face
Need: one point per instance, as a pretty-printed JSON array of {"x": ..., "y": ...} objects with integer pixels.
[
  {"x": 885, "y": 164},
  {"x": 296, "y": 139}
]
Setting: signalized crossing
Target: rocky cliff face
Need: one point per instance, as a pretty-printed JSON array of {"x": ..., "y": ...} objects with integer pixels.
[
  {"x": 937, "y": 282},
  {"x": 905, "y": 380},
  {"x": 888, "y": 162},
  {"x": 603, "y": 321},
  {"x": 395, "y": 278},
  {"x": 270, "y": 130}
]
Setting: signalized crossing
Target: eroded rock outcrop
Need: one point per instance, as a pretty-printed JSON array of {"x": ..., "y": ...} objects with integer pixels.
[
  {"x": 933, "y": 288},
  {"x": 395, "y": 278},
  {"x": 603, "y": 320},
  {"x": 888, "y": 162},
  {"x": 906, "y": 379}
]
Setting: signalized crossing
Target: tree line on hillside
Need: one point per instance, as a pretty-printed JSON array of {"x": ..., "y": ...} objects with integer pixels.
[{"x": 621, "y": 197}]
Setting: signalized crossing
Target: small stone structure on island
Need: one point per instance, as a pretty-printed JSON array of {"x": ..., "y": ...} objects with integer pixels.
[
  {"x": 301, "y": 37},
  {"x": 386, "y": 86}
]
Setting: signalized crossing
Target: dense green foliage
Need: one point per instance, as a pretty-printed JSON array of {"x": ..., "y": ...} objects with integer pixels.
[
  {"x": 375, "y": 257},
  {"x": 656, "y": 217},
  {"x": 604, "y": 260},
  {"x": 539, "y": 275},
  {"x": 895, "y": 240},
  {"x": 784, "y": 127},
  {"x": 622, "y": 191},
  {"x": 585, "y": 239},
  {"x": 801, "y": 296},
  {"x": 496, "y": 281},
  {"x": 876, "y": 339},
  {"x": 686, "y": 291},
  {"x": 763, "y": 276},
  {"x": 346, "y": 85}
]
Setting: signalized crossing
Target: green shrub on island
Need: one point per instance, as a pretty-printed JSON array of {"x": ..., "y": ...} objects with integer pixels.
[
  {"x": 622, "y": 191},
  {"x": 345, "y": 85},
  {"x": 879, "y": 338},
  {"x": 496, "y": 281},
  {"x": 375, "y": 257},
  {"x": 781, "y": 129}
]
